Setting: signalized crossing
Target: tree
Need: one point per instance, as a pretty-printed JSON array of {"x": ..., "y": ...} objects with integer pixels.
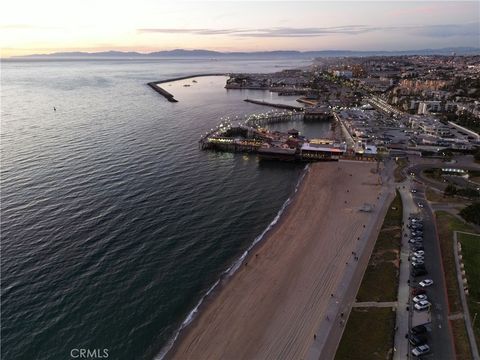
[
  {"x": 450, "y": 190},
  {"x": 477, "y": 155},
  {"x": 472, "y": 213}
]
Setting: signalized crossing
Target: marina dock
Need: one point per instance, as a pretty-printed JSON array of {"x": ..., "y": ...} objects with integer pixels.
[
  {"x": 272, "y": 145},
  {"x": 275, "y": 105}
]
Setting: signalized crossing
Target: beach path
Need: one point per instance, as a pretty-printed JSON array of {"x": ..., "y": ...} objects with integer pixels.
[{"x": 272, "y": 306}]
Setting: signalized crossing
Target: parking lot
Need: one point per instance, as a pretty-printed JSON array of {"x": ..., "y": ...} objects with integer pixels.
[{"x": 432, "y": 306}]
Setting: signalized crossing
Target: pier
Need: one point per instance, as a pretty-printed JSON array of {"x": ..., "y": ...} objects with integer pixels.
[
  {"x": 155, "y": 84},
  {"x": 272, "y": 145},
  {"x": 273, "y": 118},
  {"x": 275, "y": 105}
]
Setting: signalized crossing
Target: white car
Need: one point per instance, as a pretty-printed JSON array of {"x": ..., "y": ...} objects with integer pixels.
[
  {"x": 419, "y": 253},
  {"x": 419, "y": 298},
  {"x": 417, "y": 259},
  {"x": 426, "y": 282},
  {"x": 420, "y": 205},
  {"x": 422, "y": 305},
  {"x": 421, "y": 350}
]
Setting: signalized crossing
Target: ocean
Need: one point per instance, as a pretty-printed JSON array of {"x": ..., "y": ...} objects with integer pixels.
[{"x": 114, "y": 224}]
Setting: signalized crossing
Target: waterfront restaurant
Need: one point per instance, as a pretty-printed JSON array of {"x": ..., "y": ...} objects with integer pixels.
[{"x": 310, "y": 151}]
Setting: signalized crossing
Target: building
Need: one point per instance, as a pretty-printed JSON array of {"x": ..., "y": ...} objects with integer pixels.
[
  {"x": 310, "y": 151},
  {"x": 347, "y": 74}
]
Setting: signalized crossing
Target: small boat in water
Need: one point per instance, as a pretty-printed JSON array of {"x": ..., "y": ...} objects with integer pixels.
[{"x": 186, "y": 85}]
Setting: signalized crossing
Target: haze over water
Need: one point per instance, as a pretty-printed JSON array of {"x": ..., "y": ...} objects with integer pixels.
[{"x": 114, "y": 223}]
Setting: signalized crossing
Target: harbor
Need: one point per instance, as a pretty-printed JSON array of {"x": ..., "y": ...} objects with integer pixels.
[
  {"x": 253, "y": 137},
  {"x": 155, "y": 85}
]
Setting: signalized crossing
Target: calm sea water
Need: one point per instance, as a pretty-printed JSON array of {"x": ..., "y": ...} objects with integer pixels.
[{"x": 113, "y": 223}]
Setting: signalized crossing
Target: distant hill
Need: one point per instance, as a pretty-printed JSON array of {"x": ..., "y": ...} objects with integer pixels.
[{"x": 182, "y": 53}]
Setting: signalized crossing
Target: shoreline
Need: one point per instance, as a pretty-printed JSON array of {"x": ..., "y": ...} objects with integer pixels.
[
  {"x": 228, "y": 275},
  {"x": 231, "y": 287}
]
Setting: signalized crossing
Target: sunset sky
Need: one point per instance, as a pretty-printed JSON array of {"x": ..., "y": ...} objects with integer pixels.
[{"x": 32, "y": 26}]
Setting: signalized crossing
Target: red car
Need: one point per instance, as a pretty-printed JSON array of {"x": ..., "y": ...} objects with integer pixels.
[{"x": 418, "y": 291}]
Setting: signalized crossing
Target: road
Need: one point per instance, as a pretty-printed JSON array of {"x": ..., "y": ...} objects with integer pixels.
[
  {"x": 419, "y": 168},
  {"x": 440, "y": 339}
]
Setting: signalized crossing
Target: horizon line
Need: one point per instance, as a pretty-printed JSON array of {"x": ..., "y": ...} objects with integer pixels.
[{"x": 146, "y": 53}]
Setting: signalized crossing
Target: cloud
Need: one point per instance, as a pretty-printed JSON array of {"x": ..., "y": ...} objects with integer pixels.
[
  {"x": 471, "y": 29},
  {"x": 448, "y": 30},
  {"x": 267, "y": 32},
  {"x": 191, "y": 31}
]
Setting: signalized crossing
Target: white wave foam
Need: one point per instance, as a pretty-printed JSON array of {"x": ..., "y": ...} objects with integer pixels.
[{"x": 230, "y": 271}]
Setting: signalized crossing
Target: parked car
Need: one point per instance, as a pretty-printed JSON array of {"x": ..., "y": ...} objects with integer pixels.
[
  {"x": 417, "y": 340},
  {"x": 419, "y": 253},
  {"x": 420, "y": 205},
  {"x": 419, "y": 329},
  {"x": 421, "y": 350},
  {"x": 419, "y": 272},
  {"x": 419, "y": 298},
  {"x": 413, "y": 191},
  {"x": 417, "y": 259},
  {"x": 418, "y": 247},
  {"x": 418, "y": 291},
  {"x": 418, "y": 264},
  {"x": 422, "y": 305},
  {"x": 426, "y": 283}
]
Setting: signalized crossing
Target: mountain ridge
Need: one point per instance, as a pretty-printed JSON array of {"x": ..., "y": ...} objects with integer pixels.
[{"x": 275, "y": 53}]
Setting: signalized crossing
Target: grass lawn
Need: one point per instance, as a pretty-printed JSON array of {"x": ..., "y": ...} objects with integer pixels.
[
  {"x": 471, "y": 260},
  {"x": 434, "y": 173},
  {"x": 377, "y": 284},
  {"x": 380, "y": 281},
  {"x": 435, "y": 196},
  {"x": 475, "y": 179},
  {"x": 462, "y": 344},
  {"x": 398, "y": 172},
  {"x": 446, "y": 224},
  {"x": 369, "y": 335}
]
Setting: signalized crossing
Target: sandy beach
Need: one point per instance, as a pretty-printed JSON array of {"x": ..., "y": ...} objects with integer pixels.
[{"x": 274, "y": 304}]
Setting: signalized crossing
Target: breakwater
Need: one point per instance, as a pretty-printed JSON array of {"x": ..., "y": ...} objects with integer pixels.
[
  {"x": 162, "y": 92},
  {"x": 275, "y": 105},
  {"x": 155, "y": 85}
]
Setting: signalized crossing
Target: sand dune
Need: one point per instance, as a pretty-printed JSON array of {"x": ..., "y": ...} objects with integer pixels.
[{"x": 273, "y": 305}]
